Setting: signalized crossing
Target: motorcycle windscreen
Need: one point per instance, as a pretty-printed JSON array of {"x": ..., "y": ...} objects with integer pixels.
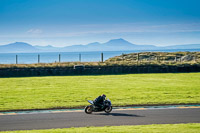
[
  {"x": 108, "y": 100},
  {"x": 90, "y": 101}
]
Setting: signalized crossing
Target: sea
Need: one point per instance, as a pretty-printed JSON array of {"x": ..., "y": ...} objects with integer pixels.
[{"x": 51, "y": 57}]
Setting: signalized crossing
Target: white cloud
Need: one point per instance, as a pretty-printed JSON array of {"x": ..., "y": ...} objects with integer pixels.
[
  {"x": 101, "y": 29},
  {"x": 35, "y": 31}
]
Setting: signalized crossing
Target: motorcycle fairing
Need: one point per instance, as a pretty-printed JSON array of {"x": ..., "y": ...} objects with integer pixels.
[{"x": 90, "y": 101}]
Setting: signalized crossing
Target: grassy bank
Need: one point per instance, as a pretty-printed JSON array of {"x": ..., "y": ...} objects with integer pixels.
[
  {"x": 73, "y": 91},
  {"x": 159, "y": 128},
  {"x": 131, "y": 59}
]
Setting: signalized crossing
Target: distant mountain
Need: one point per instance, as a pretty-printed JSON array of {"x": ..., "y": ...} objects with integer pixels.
[
  {"x": 17, "y": 47},
  {"x": 118, "y": 44},
  {"x": 112, "y": 45},
  {"x": 47, "y": 48}
]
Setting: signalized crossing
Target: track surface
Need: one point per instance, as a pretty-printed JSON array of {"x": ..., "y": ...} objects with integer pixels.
[{"x": 80, "y": 119}]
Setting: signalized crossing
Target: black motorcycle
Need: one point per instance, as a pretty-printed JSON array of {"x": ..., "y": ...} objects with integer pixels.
[{"x": 107, "y": 107}]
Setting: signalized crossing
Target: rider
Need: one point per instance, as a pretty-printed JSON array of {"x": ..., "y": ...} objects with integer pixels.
[{"x": 99, "y": 101}]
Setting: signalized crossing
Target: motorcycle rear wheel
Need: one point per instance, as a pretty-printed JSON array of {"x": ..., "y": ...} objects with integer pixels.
[
  {"x": 108, "y": 109},
  {"x": 88, "y": 109}
]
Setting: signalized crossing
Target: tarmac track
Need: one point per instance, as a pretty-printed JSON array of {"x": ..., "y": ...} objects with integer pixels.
[{"x": 117, "y": 117}]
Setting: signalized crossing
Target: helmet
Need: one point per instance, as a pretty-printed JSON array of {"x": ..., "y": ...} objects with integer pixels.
[{"x": 103, "y": 95}]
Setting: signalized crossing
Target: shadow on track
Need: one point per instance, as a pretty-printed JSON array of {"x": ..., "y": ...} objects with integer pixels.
[{"x": 119, "y": 114}]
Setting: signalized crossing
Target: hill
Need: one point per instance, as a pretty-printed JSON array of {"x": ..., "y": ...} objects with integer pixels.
[
  {"x": 17, "y": 47},
  {"x": 157, "y": 56},
  {"x": 112, "y": 45}
]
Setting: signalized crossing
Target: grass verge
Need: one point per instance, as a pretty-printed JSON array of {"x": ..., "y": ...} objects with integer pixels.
[
  {"x": 74, "y": 91},
  {"x": 158, "y": 128}
]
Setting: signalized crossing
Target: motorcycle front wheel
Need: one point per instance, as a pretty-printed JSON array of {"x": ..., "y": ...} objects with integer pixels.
[
  {"x": 108, "y": 109},
  {"x": 88, "y": 109}
]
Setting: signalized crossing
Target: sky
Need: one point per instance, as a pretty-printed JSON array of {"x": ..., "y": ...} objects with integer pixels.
[{"x": 68, "y": 22}]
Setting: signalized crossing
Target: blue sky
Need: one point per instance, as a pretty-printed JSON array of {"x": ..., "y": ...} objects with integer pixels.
[{"x": 68, "y": 22}]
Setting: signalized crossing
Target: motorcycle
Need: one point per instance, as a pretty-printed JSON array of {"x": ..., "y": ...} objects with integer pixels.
[{"x": 107, "y": 107}]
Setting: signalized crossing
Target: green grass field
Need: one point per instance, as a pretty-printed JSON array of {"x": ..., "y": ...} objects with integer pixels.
[
  {"x": 74, "y": 91},
  {"x": 159, "y": 128}
]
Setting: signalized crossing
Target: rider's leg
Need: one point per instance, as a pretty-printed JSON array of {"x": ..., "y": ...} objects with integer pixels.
[{"x": 97, "y": 105}]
